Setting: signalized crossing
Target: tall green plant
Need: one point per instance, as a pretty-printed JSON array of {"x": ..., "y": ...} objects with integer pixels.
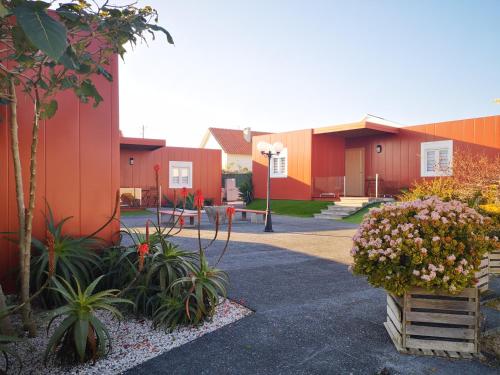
[
  {"x": 46, "y": 52},
  {"x": 64, "y": 256},
  {"x": 81, "y": 336}
]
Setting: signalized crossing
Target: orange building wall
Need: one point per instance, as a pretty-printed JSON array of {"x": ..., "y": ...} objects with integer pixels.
[
  {"x": 399, "y": 162},
  {"x": 207, "y": 170},
  {"x": 78, "y": 166},
  {"x": 298, "y": 182}
]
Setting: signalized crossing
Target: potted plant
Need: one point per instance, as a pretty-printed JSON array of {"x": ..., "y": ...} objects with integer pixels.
[{"x": 428, "y": 255}]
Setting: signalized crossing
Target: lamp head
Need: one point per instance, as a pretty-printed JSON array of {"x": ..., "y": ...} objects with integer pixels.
[
  {"x": 263, "y": 147},
  {"x": 277, "y": 147}
]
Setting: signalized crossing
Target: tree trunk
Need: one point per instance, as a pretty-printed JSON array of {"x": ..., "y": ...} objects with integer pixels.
[
  {"x": 21, "y": 208},
  {"x": 5, "y": 324},
  {"x": 25, "y": 276}
]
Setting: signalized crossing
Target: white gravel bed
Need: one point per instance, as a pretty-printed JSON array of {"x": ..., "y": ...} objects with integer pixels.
[{"x": 134, "y": 342}]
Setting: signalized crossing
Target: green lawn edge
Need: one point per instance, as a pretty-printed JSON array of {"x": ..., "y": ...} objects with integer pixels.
[{"x": 291, "y": 207}]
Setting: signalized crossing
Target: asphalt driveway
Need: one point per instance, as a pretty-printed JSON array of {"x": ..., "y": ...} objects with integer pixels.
[{"x": 311, "y": 315}]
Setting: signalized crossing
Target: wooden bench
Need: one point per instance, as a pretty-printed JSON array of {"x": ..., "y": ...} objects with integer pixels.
[
  {"x": 244, "y": 212},
  {"x": 173, "y": 213}
]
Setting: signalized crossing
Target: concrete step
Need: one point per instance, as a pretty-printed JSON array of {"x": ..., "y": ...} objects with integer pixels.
[
  {"x": 336, "y": 213},
  {"x": 339, "y": 209},
  {"x": 328, "y": 216},
  {"x": 350, "y": 204}
]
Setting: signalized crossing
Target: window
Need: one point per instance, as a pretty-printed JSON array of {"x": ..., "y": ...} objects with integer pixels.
[
  {"x": 279, "y": 165},
  {"x": 436, "y": 158},
  {"x": 181, "y": 174}
]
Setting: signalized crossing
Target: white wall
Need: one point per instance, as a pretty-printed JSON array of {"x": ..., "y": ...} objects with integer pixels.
[{"x": 237, "y": 163}]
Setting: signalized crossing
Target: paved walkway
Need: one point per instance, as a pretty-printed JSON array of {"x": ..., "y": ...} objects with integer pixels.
[{"x": 311, "y": 315}]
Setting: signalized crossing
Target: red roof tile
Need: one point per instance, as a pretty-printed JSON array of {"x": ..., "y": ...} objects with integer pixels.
[{"x": 232, "y": 140}]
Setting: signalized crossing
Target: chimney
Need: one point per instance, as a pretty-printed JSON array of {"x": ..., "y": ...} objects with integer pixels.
[{"x": 247, "y": 134}]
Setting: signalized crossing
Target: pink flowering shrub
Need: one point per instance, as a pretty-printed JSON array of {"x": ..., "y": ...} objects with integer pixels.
[{"x": 423, "y": 243}]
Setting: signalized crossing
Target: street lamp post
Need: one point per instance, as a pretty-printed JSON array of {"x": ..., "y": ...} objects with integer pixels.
[{"x": 269, "y": 150}]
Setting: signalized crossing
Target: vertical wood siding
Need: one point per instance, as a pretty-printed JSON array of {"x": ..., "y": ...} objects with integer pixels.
[
  {"x": 399, "y": 162},
  {"x": 78, "y": 167},
  {"x": 207, "y": 169},
  {"x": 298, "y": 183},
  {"x": 398, "y": 165}
]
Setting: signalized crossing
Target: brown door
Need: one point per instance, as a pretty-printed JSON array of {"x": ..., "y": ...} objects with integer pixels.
[{"x": 355, "y": 172}]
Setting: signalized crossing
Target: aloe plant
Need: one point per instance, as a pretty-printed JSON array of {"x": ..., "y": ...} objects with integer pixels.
[
  {"x": 81, "y": 336},
  {"x": 73, "y": 257},
  {"x": 193, "y": 298}
]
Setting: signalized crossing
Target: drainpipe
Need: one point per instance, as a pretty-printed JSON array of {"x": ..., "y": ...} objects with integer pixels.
[{"x": 376, "y": 185}]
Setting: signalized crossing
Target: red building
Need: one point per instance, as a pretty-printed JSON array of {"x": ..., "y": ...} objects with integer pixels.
[
  {"x": 347, "y": 159},
  {"x": 78, "y": 167},
  {"x": 193, "y": 168}
]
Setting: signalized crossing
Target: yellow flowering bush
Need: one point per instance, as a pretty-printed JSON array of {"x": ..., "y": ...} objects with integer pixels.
[
  {"x": 426, "y": 243},
  {"x": 493, "y": 211}
]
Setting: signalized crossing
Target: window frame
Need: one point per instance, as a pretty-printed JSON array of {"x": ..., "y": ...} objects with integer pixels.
[
  {"x": 436, "y": 147},
  {"x": 180, "y": 165},
  {"x": 282, "y": 156}
]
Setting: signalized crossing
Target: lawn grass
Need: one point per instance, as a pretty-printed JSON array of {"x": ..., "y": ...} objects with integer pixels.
[
  {"x": 291, "y": 207},
  {"x": 136, "y": 213},
  {"x": 357, "y": 217}
]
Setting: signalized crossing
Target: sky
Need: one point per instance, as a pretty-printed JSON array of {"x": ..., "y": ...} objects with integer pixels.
[{"x": 279, "y": 65}]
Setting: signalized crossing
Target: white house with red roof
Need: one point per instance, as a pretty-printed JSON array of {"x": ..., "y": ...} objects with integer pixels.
[{"x": 236, "y": 147}]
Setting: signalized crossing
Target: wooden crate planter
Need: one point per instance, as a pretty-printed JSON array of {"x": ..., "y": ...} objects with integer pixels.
[
  {"x": 437, "y": 324},
  {"x": 495, "y": 262}
]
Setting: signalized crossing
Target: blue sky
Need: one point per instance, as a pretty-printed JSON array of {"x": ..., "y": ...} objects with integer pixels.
[{"x": 283, "y": 65}]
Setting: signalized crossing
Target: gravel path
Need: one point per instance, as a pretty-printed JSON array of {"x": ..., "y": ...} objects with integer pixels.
[{"x": 134, "y": 341}]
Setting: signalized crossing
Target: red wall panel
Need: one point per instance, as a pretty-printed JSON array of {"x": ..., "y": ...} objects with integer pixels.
[
  {"x": 399, "y": 163},
  {"x": 207, "y": 169},
  {"x": 298, "y": 183},
  {"x": 78, "y": 166}
]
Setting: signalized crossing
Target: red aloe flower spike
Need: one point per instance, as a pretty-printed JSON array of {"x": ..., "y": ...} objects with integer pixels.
[
  {"x": 143, "y": 249},
  {"x": 52, "y": 253},
  {"x": 198, "y": 199}
]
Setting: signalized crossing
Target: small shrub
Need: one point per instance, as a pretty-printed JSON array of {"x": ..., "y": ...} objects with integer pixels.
[
  {"x": 81, "y": 336},
  {"x": 246, "y": 191},
  {"x": 493, "y": 211},
  {"x": 425, "y": 243},
  {"x": 445, "y": 188}
]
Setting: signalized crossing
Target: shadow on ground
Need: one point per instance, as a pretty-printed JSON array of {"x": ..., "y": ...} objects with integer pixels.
[{"x": 311, "y": 315}]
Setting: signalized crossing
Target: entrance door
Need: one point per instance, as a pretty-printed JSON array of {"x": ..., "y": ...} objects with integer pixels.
[{"x": 355, "y": 172}]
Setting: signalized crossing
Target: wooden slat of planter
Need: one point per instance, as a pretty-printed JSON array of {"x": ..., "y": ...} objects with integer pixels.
[
  {"x": 395, "y": 309},
  {"x": 494, "y": 258},
  {"x": 440, "y": 318},
  {"x": 391, "y": 317},
  {"x": 440, "y": 345},
  {"x": 423, "y": 303},
  {"x": 468, "y": 292},
  {"x": 484, "y": 263},
  {"x": 394, "y": 334},
  {"x": 452, "y": 333}
]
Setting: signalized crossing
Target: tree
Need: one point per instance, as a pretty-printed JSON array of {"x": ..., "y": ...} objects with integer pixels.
[{"x": 48, "y": 48}]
